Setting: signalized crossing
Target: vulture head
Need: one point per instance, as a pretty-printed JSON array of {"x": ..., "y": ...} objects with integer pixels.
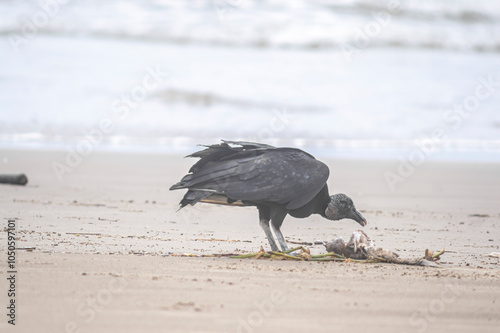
[{"x": 342, "y": 207}]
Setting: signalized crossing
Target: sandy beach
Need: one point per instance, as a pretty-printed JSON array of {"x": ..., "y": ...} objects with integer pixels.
[
  {"x": 100, "y": 101},
  {"x": 104, "y": 243}
]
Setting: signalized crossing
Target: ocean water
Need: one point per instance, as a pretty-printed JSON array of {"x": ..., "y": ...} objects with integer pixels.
[{"x": 339, "y": 78}]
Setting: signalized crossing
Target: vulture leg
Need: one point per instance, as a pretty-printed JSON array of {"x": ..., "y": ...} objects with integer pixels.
[
  {"x": 280, "y": 237},
  {"x": 264, "y": 223},
  {"x": 277, "y": 221}
]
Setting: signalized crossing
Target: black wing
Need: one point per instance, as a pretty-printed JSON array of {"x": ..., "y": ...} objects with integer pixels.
[
  {"x": 225, "y": 150},
  {"x": 258, "y": 173}
]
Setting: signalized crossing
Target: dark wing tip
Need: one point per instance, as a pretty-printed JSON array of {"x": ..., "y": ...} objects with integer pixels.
[
  {"x": 176, "y": 187},
  {"x": 247, "y": 144}
]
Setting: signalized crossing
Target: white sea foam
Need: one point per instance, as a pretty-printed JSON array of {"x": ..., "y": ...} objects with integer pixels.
[
  {"x": 270, "y": 71},
  {"x": 308, "y": 24}
]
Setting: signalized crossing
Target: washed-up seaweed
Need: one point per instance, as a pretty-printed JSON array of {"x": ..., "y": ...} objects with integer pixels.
[{"x": 360, "y": 248}]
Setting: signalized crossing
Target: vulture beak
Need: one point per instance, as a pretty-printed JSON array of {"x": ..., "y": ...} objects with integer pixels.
[{"x": 356, "y": 216}]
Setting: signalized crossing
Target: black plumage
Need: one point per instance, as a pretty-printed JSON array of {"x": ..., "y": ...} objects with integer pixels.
[{"x": 278, "y": 181}]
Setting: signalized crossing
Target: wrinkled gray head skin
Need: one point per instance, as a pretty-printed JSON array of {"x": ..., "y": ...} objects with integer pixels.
[{"x": 342, "y": 207}]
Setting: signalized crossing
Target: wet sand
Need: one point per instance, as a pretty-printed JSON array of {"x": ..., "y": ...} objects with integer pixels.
[{"x": 106, "y": 236}]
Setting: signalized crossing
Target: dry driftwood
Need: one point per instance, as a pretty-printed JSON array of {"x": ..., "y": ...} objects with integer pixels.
[{"x": 19, "y": 179}]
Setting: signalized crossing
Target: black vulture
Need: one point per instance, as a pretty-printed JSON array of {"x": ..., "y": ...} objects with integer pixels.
[{"x": 278, "y": 181}]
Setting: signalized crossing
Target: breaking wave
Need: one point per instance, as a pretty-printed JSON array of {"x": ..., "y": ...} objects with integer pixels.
[{"x": 317, "y": 25}]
